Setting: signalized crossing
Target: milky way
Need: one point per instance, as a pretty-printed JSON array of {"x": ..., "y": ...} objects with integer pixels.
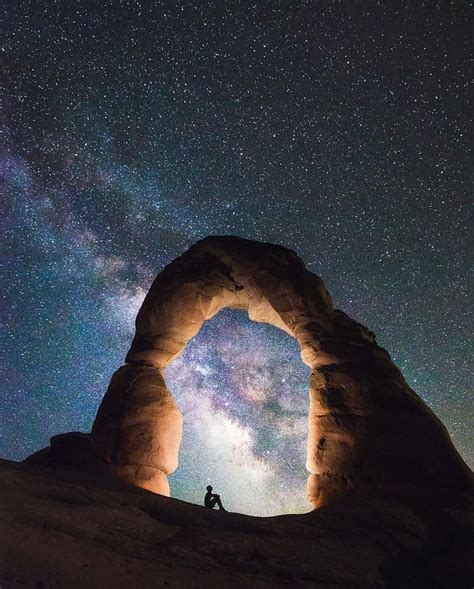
[{"x": 131, "y": 130}]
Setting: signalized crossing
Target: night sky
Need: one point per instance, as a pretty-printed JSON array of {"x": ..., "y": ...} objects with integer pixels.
[{"x": 336, "y": 128}]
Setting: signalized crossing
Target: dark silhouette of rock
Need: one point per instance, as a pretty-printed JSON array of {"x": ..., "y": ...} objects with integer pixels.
[
  {"x": 365, "y": 427},
  {"x": 71, "y": 451},
  {"x": 63, "y": 528}
]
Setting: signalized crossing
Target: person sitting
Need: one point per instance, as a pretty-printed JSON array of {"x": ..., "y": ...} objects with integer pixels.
[{"x": 212, "y": 499}]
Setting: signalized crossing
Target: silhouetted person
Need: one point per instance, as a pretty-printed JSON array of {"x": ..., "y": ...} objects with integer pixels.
[{"x": 212, "y": 499}]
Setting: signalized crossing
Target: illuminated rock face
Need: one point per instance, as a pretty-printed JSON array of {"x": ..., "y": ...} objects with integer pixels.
[{"x": 365, "y": 424}]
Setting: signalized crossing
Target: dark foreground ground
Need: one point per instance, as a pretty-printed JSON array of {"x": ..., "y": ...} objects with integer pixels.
[{"x": 63, "y": 529}]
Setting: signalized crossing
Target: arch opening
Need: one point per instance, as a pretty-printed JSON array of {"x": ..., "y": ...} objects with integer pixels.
[{"x": 243, "y": 393}]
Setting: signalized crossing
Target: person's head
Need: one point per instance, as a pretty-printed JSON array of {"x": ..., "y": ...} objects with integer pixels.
[{"x": 209, "y": 488}]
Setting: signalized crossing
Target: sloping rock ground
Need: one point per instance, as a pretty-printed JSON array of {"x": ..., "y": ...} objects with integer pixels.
[{"x": 68, "y": 529}]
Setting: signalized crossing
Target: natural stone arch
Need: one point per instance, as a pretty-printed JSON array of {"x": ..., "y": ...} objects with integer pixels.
[{"x": 365, "y": 425}]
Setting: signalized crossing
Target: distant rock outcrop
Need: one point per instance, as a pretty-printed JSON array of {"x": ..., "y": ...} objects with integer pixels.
[{"x": 365, "y": 425}]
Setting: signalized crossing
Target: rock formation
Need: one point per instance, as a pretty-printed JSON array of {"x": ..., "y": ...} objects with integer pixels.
[{"x": 365, "y": 425}]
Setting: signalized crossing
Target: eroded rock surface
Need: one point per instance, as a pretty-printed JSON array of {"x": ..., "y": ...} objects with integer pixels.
[{"x": 365, "y": 424}]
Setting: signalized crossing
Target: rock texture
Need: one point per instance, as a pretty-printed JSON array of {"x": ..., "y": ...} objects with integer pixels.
[
  {"x": 365, "y": 426},
  {"x": 65, "y": 529}
]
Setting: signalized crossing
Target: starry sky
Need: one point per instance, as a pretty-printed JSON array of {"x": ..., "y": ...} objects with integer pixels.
[{"x": 132, "y": 129}]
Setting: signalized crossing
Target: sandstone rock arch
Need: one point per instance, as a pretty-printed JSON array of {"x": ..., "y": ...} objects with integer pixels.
[{"x": 365, "y": 425}]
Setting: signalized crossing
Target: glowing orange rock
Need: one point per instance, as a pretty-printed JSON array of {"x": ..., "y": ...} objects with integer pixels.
[{"x": 366, "y": 426}]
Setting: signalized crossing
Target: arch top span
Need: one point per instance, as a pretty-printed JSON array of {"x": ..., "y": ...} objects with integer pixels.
[
  {"x": 270, "y": 282},
  {"x": 365, "y": 424}
]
